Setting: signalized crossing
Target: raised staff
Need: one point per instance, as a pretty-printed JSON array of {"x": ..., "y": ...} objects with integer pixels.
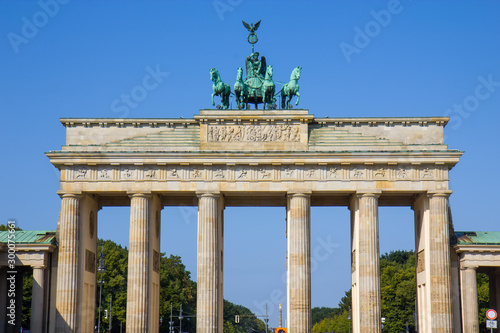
[{"x": 252, "y": 36}]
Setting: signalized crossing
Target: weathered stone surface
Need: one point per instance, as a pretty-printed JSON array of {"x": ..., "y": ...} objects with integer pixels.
[{"x": 247, "y": 157}]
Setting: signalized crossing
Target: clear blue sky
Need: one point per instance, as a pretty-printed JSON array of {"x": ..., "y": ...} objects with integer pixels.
[{"x": 411, "y": 58}]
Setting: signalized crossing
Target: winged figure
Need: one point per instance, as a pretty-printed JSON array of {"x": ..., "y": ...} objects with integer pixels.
[{"x": 251, "y": 27}]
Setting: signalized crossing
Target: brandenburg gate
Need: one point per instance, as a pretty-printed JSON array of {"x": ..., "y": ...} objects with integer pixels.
[{"x": 286, "y": 158}]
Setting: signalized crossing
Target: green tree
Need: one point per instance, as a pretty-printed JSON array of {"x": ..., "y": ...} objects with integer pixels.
[
  {"x": 397, "y": 280},
  {"x": 248, "y": 321},
  {"x": 27, "y": 296},
  {"x": 4, "y": 227},
  {"x": 114, "y": 283},
  {"x": 483, "y": 290},
  {"x": 320, "y": 313},
  {"x": 176, "y": 288}
]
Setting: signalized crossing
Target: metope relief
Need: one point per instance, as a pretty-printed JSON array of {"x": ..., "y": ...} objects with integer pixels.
[
  {"x": 105, "y": 173},
  {"x": 253, "y": 133},
  {"x": 81, "y": 173},
  {"x": 150, "y": 173},
  {"x": 128, "y": 173}
]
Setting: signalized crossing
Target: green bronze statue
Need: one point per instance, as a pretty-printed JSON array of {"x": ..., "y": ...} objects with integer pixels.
[
  {"x": 241, "y": 90},
  {"x": 290, "y": 89},
  {"x": 258, "y": 86},
  {"x": 268, "y": 89},
  {"x": 220, "y": 89}
]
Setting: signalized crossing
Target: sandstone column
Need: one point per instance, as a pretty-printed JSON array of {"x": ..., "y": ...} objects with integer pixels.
[
  {"x": 299, "y": 263},
  {"x": 469, "y": 300},
  {"x": 368, "y": 264},
  {"x": 440, "y": 275},
  {"x": 138, "y": 264},
  {"x": 37, "y": 300},
  {"x": 67, "y": 276},
  {"x": 209, "y": 294}
]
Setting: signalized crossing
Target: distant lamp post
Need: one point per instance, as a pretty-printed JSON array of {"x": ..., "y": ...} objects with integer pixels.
[
  {"x": 101, "y": 269},
  {"x": 349, "y": 319}
]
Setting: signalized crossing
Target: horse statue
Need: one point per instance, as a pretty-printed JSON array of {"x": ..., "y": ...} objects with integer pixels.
[
  {"x": 268, "y": 89},
  {"x": 240, "y": 90},
  {"x": 290, "y": 89},
  {"x": 220, "y": 89}
]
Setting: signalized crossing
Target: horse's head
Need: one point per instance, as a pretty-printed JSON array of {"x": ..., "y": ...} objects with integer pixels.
[
  {"x": 269, "y": 72},
  {"x": 214, "y": 74},
  {"x": 239, "y": 74},
  {"x": 295, "y": 73}
]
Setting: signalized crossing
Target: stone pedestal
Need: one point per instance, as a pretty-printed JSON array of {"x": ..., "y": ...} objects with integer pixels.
[
  {"x": 469, "y": 300},
  {"x": 299, "y": 263},
  {"x": 366, "y": 263},
  {"x": 67, "y": 279},
  {"x": 209, "y": 308},
  {"x": 439, "y": 256},
  {"x": 37, "y": 300},
  {"x": 138, "y": 264}
]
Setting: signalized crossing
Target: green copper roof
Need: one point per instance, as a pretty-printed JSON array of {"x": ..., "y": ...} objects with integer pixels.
[
  {"x": 30, "y": 237},
  {"x": 478, "y": 237}
]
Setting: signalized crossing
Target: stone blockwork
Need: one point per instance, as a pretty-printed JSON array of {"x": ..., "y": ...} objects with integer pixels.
[{"x": 262, "y": 158}]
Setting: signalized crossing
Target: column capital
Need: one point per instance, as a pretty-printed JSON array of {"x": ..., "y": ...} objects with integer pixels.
[
  {"x": 368, "y": 193},
  {"x": 465, "y": 267},
  {"x": 442, "y": 193},
  {"x": 42, "y": 267},
  {"x": 306, "y": 194},
  {"x": 139, "y": 195},
  {"x": 75, "y": 195},
  {"x": 208, "y": 195}
]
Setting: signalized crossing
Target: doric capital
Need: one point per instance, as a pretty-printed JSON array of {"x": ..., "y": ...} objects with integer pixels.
[
  {"x": 465, "y": 267},
  {"x": 64, "y": 194},
  {"x": 436, "y": 194},
  {"x": 208, "y": 195},
  {"x": 305, "y": 194},
  {"x": 42, "y": 267},
  {"x": 368, "y": 193},
  {"x": 139, "y": 195}
]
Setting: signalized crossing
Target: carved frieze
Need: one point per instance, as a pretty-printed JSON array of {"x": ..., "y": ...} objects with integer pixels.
[
  {"x": 253, "y": 133},
  {"x": 265, "y": 172}
]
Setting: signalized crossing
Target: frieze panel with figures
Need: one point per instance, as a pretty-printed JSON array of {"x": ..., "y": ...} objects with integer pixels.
[
  {"x": 253, "y": 133},
  {"x": 258, "y": 172}
]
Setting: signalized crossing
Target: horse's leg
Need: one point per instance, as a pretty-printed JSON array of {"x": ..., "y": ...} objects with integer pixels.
[
  {"x": 298, "y": 98},
  {"x": 213, "y": 94},
  {"x": 283, "y": 97}
]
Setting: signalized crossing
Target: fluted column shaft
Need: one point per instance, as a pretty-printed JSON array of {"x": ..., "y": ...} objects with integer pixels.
[
  {"x": 209, "y": 294},
  {"x": 440, "y": 274},
  {"x": 299, "y": 263},
  {"x": 37, "y": 300},
  {"x": 67, "y": 277},
  {"x": 369, "y": 264},
  {"x": 138, "y": 265},
  {"x": 469, "y": 296}
]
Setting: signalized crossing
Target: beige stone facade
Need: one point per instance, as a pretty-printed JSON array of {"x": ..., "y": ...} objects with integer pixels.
[{"x": 284, "y": 158}]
